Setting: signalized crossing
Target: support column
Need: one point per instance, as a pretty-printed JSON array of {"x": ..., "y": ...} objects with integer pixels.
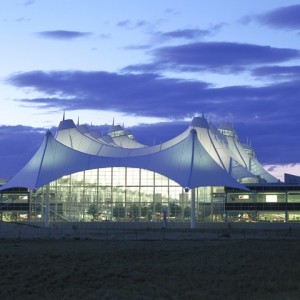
[
  {"x": 47, "y": 205},
  {"x": 286, "y": 210},
  {"x": 55, "y": 203},
  {"x": 1, "y": 209},
  {"x": 111, "y": 193},
  {"x": 193, "y": 212}
]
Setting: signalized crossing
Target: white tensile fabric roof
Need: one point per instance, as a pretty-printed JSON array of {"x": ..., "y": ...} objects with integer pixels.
[{"x": 195, "y": 158}]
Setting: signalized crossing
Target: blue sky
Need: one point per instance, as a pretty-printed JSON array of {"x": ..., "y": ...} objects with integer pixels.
[{"x": 151, "y": 65}]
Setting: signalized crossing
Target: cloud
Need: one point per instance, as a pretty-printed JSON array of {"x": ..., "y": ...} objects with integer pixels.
[
  {"x": 220, "y": 57},
  {"x": 29, "y": 2},
  {"x": 279, "y": 170},
  {"x": 127, "y": 24},
  {"x": 22, "y": 19},
  {"x": 172, "y": 12},
  {"x": 278, "y": 72},
  {"x": 152, "y": 134},
  {"x": 124, "y": 23},
  {"x": 274, "y": 143},
  {"x": 63, "y": 34},
  {"x": 143, "y": 94},
  {"x": 184, "y": 33},
  {"x": 286, "y": 17},
  {"x": 189, "y": 33},
  {"x": 151, "y": 95},
  {"x": 144, "y": 68},
  {"x": 104, "y": 36},
  {"x": 159, "y": 37},
  {"x": 21, "y": 142},
  {"x": 138, "y": 47}
]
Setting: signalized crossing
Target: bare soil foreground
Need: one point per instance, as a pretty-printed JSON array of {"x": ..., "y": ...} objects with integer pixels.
[{"x": 206, "y": 269}]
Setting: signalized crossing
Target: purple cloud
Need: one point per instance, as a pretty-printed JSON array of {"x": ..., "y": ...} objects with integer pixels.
[
  {"x": 185, "y": 33},
  {"x": 124, "y": 23},
  {"x": 152, "y": 134},
  {"x": 190, "y": 33},
  {"x": 282, "y": 17},
  {"x": 138, "y": 47},
  {"x": 29, "y": 2},
  {"x": 155, "y": 96},
  {"x": 127, "y": 24},
  {"x": 63, "y": 34},
  {"x": 22, "y": 19},
  {"x": 143, "y": 94},
  {"x": 220, "y": 57},
  {"x": 21, "y": 142},
  {"x": 278, "y": 72}
]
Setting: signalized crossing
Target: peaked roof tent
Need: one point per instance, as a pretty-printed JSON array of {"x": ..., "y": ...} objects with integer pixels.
[
  {"x": 115, "y": 128},
  {"x": 197, "y": 157},
  {"x": 186, "y": 162}
]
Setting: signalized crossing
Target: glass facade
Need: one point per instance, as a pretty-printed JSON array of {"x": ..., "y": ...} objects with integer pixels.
[
  {"x": 130, "y": 194},
  {"x": 14, "y": 206},
  {"x": 124, "y": 194},
  {"x": 264, "y": 204}
]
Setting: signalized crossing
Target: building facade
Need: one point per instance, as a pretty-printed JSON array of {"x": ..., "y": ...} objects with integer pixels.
[{"x": 205, "y": 173}]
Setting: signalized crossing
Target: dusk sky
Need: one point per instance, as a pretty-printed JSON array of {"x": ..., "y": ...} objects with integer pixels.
[{"x": 152, "y": 66}]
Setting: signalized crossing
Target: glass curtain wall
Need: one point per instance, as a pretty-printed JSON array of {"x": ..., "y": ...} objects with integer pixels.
[
  {"x": 14, "y": 206},
  {"x": 125, "y": 194},
  {"x": 294, "y": 198},
  {"x": 268, "y": 205}
]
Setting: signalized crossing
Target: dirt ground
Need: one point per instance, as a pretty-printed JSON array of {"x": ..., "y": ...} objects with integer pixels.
[{"x": 87, "y": 269}]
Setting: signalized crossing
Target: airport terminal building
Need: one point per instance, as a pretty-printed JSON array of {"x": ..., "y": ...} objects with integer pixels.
[{"x": 202, "y": 175}]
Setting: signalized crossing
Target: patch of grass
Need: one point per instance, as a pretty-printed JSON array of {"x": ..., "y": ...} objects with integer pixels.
[{"x": 89, "y": 269}]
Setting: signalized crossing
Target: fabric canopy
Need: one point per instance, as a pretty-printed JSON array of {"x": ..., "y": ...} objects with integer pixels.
[{"x": 185, "y": 161}]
